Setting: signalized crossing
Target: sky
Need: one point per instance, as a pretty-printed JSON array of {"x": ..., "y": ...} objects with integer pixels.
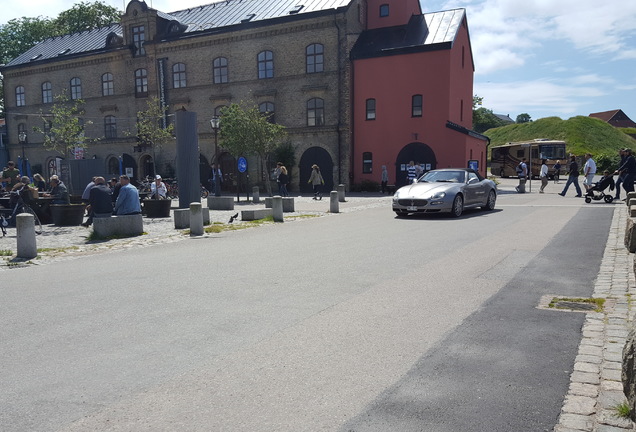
[{"x": 541, "y": 57}]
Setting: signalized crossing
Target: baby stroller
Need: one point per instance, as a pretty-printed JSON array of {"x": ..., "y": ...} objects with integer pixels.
[{"x": 596, "y": 192}]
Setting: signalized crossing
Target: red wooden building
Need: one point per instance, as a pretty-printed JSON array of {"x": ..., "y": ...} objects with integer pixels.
[{"x": 412, "y": 92}]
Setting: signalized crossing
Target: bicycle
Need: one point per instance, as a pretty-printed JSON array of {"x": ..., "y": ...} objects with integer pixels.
[
  {"x": 173, "y": 189},
  {"x": 20, "y": 207}
]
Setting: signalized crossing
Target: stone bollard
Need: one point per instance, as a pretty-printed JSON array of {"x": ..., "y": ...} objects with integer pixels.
[
  {"x": 256, "y": 197},
  {"x": 196, "y": 219},
  {"x": 25, "y": 227},
  {"x": 181, "y": 218},
  {"x": 630, "y": 235},
  {"x": 334, "y": 207},
  {"x": 341, "y": 193},
  {"x": 277, "y": 208}
]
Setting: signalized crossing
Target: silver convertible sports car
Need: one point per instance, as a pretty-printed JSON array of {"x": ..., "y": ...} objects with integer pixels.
[{"x": 446, "y": 190}]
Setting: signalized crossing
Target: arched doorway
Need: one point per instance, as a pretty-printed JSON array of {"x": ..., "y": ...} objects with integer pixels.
[
  {"x": 146, "y": 166},
  {"x": 204, "y": 171},
  {"x": 128, "y": 164},
  {"x": 320, "y": 157},
  {"x": 417, "y": 152},
  {"x": 229, "y": 171},
  {"x": 113, "y": 166}
]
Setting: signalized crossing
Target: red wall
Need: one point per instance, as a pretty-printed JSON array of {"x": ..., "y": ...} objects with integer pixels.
[{"x": 444, "y": 84}]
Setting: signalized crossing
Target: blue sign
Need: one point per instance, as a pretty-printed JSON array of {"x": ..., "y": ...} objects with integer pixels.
[
  {"x": 242, "y": 164},
  {"x": 473, "y": 164}
]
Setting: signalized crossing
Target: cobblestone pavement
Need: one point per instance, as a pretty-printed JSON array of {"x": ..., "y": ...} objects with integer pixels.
[
  {"x": 595, "y": 384},
  {"x": 61, "y": 243}
]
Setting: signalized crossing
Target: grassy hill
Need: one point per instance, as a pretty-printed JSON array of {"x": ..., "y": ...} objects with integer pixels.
[{"x": 582, "y": 135}]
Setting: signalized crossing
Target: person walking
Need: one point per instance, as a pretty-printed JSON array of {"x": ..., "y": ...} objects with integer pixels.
[
  {"x": 411, "y": 173},
  {"x": 384, "y": 179},
  {"x": 283, "y": 179},
  {"x": 573, "y": 177},
  {"x": 621, "y": 176},
  {"x": 557, "y": 171},
  {"x": 628, "y": 168},
  {"x": 543, "y": 175},
  {"x": 589, "y": 170},
  {"x": 316, "y": 181},
  {"x": 522, "y": 172}
]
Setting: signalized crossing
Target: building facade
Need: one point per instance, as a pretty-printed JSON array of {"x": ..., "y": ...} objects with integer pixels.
[{"x": 312, "y": 66}]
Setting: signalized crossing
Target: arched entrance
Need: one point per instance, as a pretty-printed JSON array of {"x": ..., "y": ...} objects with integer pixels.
[
  {"x": 229, "y": 171},
  {"x": 113, "y": 166},
  {"x": 417, "y": 152},
  {"x": 128, "y": 164},
  {"x": 320, "y": 157},
  {"x": 146, "y": 167},
  {"x": 204, "y": 171}
]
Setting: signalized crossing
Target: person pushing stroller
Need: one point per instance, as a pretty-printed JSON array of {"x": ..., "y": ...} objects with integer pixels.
[{"x": 596, "y": 191}]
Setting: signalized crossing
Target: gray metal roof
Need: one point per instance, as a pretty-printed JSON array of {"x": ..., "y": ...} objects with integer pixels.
[
  {"x": 423, "y": 32},
  {"x": 211, "y": 16}
]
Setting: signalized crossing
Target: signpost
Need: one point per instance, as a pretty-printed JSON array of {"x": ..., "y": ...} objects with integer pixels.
[{"x": 242, "y": 167}]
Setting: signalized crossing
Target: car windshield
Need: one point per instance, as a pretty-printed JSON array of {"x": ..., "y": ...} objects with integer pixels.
[{"x": 443, "y": 177}]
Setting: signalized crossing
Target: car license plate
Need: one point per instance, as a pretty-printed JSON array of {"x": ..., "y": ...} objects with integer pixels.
[{"x": 411, "y": 208}]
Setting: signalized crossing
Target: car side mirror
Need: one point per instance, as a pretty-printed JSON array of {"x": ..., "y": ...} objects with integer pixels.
[{"x": 473, "y": 180}]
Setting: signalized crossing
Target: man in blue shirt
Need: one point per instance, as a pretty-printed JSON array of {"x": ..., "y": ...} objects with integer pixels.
[{"x": 128, "y": 199}]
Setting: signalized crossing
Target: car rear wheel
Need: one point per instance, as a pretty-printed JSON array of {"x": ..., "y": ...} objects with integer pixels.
[
  {"x": 490, "y": 202},
  {"x": 458, "y": 206}
]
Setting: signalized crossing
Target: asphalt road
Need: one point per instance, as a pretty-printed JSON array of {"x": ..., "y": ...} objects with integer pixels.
[{"x": 350, "y": 322}]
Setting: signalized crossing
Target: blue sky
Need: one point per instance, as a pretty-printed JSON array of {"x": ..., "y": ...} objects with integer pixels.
[{"x": 541, "y": 57}]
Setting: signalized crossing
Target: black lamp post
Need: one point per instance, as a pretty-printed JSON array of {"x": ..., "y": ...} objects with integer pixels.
[
  {"x": 22, "y": 137},
  {"x": 215, "y": 122}
]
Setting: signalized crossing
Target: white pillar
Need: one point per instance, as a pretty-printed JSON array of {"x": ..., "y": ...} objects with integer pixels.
[
  {"x": 277, "y": 208},
  {"x": 334, "y": 207},
  {"x": 196, "y": 219},
  {"x": 25, "y": 227}
]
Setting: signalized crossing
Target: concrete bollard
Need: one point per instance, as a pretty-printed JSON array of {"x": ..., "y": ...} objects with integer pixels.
[
  {"x": 181, "y": 218},
  {"x": 25, "y": 227},
  {"x": 196, "y": 219},
  {"x": 334, "y": 207},
  {"x": 256, "y": 197},
  {"x": 277, "y": 208},
  {"x": 341, "y": 193},
  {"x": 206, "y": 215}
]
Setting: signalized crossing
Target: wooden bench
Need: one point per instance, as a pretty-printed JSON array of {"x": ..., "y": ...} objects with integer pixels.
[
  {"x": 250, "y": 215},
  {"x": 125, "y": 226}
]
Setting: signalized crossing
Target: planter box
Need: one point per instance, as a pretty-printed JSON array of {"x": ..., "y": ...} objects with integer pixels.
[
  {"x": 157, "y": 208},
  {"x": 67, "y": 214}
]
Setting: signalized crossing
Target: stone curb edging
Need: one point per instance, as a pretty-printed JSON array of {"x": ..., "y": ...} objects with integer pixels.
[{"x": 595, "y": 383}]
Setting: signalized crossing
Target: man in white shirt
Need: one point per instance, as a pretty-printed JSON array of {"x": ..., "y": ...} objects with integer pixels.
[{"x": 589, "y": 170}]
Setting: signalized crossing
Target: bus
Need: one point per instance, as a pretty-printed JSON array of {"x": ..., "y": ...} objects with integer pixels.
[{"x": 505, "y": 158}]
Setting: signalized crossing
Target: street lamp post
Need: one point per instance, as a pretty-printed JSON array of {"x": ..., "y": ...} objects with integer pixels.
[
  {"x": 215, "y": 122},
  {"x": 22, "y": 137}
]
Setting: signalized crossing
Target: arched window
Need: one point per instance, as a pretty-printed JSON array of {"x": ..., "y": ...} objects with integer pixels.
[
  {"x": 178, "y": 75},
  {"x": 315, "y": 58},
  {"x": 219, "y": 70},
  {"x": 370, "y": 109},
  {"x": 265, "y": 65},
  {"x": 217, "y": 110},
  {"x": 76, "y": 88},
  {"x": 108, "y": 85},
  {"x": 416, "y": 105},
  {"x": 20, "y": 99},
  {"x": 47, "y": 92},
  {"x": 110, "y": 126},
  {"x": 267, "y": 109},
  {"x": 315, "y": 112},
  {"x": 141, "y": 83}
]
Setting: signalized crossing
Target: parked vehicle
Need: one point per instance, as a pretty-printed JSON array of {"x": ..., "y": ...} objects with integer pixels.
[
  {"x": 445, "y": 190},
  {"x": 504, "y": 159}
]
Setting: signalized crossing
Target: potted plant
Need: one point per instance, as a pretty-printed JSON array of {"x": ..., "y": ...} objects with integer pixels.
[
  {"x": 157, "y": 208},
  {"x": 67, "y": 214}
]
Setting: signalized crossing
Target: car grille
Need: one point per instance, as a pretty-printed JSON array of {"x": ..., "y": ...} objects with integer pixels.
[{"x": 412, "y": 202}]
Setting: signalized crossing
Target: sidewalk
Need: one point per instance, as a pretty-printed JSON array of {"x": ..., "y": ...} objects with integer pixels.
[{"x": 595, "y": 385}]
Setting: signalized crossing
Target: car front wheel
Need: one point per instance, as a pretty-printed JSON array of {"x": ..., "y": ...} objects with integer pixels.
[
  {"x": 458, "y": 206},
  {"x": 490, "y": 202}
]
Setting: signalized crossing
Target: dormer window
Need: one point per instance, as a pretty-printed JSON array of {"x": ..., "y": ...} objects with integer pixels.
[
  {"x": 139, "y": 37},
  {"x": 296, "y": 9},
  {"x": 248, "y": 18},
  {"x": 384, "y": 10}
]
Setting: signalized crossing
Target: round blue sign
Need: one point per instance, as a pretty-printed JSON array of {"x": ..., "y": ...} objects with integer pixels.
[{"x": 242, "y": 164}]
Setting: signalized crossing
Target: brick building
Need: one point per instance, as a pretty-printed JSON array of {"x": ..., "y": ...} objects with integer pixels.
[{"x": 309, "y": 63}]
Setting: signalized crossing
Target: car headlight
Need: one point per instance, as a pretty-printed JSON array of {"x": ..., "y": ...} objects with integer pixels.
[{"x": 438, "y": 195}]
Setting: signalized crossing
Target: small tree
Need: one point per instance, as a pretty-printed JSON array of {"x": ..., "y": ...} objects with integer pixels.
[
  {"x": 66, "y": 131},
  {"x": 524, "y": 118},
  {"x": 150, "y": 130},
  {"x": 245, "y": 131}
]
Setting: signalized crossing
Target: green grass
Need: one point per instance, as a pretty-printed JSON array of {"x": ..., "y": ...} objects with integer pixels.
[
  {"x": 621, "y": 410},
  {"x": 582, "y": 134},
  {"x": 598, "y": 301},
  {"x": 5, "y": 252}
]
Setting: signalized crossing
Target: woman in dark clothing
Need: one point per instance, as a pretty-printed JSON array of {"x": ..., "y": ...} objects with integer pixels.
[
  {"x": 283, "y": 179},
  {"x": 39, "y": 182}
]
